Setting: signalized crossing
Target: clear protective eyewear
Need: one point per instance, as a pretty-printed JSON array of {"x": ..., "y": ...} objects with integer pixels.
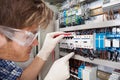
[{"x": 24, "y": 38}]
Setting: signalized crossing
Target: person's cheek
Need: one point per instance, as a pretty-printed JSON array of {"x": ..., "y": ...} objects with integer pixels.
[{"x": 3, "y": 41}]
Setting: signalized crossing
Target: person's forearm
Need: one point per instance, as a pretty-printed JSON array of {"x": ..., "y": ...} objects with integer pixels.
[{"x": 31, "y": 72}]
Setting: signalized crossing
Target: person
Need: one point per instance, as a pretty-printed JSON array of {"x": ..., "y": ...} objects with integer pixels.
[{"x": 19, "y": 21}]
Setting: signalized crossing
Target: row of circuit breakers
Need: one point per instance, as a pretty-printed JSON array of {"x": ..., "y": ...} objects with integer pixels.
[{"x": 94, "y": 40}]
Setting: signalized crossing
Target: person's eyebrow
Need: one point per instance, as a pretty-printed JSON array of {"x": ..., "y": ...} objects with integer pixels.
[{"x": 35, "y": 31}]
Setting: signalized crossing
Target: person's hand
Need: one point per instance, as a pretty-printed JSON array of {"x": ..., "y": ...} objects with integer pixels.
[
  {"x": 60, "y": 69},
  {"x": 49, "y": 44}
]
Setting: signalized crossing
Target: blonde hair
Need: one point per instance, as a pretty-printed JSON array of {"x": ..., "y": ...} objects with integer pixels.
[{"x": 23, "y": 13}]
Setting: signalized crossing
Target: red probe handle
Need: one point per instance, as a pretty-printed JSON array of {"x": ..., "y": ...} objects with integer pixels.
[{"x": 65, "y": 34}]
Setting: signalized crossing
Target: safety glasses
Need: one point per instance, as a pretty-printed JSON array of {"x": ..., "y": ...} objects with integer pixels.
[{"x": 24, "y": 38}]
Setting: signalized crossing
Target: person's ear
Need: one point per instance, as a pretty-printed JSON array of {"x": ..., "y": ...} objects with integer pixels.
[{"x": 3, "y": 40}]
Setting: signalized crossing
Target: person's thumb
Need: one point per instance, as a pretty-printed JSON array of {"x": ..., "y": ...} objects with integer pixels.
[{"x": 67, "y": 57}]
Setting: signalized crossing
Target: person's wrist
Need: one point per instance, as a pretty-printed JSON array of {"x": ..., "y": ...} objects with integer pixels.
[{"x": 43, "y": 54}]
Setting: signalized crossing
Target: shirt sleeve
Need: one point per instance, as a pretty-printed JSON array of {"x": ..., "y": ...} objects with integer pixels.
[{"x": 9, "y": 70}]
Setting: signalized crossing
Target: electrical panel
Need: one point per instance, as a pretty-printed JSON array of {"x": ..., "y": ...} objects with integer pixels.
[
  {"x": 94, "y": 30},
  {"x": 111, "y": 5},
  {"x": 101, "y": 43}
]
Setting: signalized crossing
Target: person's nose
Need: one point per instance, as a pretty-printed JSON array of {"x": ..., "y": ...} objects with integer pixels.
[{"x": 35, "y": 42}]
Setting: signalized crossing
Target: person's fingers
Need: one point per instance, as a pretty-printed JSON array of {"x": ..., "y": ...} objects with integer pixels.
[
  {"x": 57, "y": 39},
  {"x": 67, "y": 57},
  {"x": 65, "y": 34},
  {"x": 55, "y": 34}
]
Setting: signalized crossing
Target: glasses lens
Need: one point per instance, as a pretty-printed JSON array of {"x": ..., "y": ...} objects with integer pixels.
[
  {"x": 23, "y": 38},
  {"x": 30, "y": 38},
  {"x": 26, "y": 38}
]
